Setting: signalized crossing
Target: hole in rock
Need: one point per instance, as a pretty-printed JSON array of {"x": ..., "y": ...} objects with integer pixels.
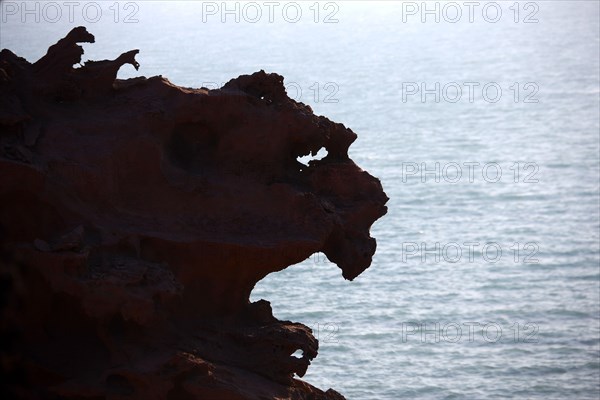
[
  {"x": 192, "y": 146},
  {"x": 319, "y": 156},
  {"x": 298, "y": 353}
]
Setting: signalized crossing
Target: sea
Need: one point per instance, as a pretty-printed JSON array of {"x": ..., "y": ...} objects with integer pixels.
[{"x": 482, "y": 121}]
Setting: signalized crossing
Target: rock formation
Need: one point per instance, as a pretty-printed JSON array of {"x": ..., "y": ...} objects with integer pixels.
[{"x": 136, "y": 216}]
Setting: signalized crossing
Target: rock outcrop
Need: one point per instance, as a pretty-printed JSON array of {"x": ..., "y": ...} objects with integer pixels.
[{"x": 136, "y": 216}]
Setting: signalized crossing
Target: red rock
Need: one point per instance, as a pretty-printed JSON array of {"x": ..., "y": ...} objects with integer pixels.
[{"x": 136, "y": 217}]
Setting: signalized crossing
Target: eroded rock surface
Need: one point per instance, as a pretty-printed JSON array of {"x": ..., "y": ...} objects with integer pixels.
[{"x": 136, "y": 217}]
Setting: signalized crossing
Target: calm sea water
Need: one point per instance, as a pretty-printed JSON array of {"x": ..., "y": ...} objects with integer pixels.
[{"x": 486, "y": 281}]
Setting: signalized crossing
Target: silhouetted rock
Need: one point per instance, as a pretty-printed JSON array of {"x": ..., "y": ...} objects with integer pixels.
[{"x": 136, "y": 217}]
